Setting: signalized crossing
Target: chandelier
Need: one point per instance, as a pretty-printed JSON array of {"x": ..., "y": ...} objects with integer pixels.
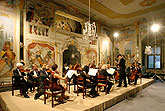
[
  {"x": 89, "y": 33},
  {"x": 148, "y": 49}
]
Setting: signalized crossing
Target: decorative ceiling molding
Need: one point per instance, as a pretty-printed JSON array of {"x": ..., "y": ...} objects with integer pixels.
[
  {"x": 146, "y": 3},
  {"x": 111, "y": 14},
  {"x": 126, "y": 2}
]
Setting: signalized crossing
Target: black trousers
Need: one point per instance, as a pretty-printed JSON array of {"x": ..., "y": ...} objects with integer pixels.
[
  {"x": 40, "y": 91},
  {"x": 136, "y": 78},
  {"x": 109, "y": 85},
  {"x": 122, "y": 77},
  {"x": 92, "y": 86},
  {"x": 23, "y": 85}
]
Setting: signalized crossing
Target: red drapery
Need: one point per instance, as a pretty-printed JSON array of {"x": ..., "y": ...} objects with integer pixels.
[{"x": 32, "y": 45}]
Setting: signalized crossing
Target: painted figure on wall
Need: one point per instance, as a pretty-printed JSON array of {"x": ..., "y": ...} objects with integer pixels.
[
  {"x": 67, "y": 24},
  {"x": 7, "y": 60},
  {"x": 92, "y": 56},
  {"x": 41, "y": 53},
  {"x": 7, "y": 56}
]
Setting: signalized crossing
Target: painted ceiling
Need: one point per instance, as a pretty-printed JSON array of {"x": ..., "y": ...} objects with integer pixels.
[{"x": 114, "y": 12}]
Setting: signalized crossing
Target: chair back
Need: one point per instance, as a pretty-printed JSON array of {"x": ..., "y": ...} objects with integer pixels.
[{"x": 101, "y": 78}]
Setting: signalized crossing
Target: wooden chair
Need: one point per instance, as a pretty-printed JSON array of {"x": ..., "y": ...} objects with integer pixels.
[
  {"x": 68, "y": 84},
  {"x": 102, "y": 82},
  {"x": 80, "y": 85},
  {"x": 15, "y": 86},
  {"x": 48, "y": 91}
]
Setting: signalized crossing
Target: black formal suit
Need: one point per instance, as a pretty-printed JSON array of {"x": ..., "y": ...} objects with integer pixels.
[
  {"x": 105, "y": 73},
  {"x": 20, "y": 81},
  {"x": 41, "y": 78},
  {"x": 122, "y": 73},
  {"x": 31, "y": 74},
  {"x": 91, "y": 84}
]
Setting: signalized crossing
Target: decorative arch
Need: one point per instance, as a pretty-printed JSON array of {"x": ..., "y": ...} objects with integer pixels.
[{"x": 71, "y": 42}]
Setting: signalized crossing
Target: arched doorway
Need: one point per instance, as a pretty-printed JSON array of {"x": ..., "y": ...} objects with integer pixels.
[{"x": 71, "y": 56}]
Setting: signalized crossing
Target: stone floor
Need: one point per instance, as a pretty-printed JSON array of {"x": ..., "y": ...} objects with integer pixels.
[
  {"x": 150, "y": 99},
  {"x": 75, "y": 103}
]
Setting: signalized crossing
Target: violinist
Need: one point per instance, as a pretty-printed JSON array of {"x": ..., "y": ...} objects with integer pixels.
[
  {"x": 92, "y": 84},
  {"x": 34, "y": 73},
  {"x": 105, "y": 73},
  {"x": 20, "y": 79},
  {"x": 44, "y": 74},
  {"x": 56, "y": 85}
]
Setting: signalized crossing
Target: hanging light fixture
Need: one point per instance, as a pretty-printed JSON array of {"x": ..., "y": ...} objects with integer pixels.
[
  {"x": 89, "y": 33},
  {"x": 148, "y": 49}
]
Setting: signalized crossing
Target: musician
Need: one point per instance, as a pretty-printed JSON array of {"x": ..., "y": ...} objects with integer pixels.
[
  {"x": 138, "y": 73},
  {"x": 57, "y": 86},
  {"x": 129, "y": 71},
  {"x": 122, "y": 73},
  {"x": 105, "y": 73},
  {"x": 92, "y": 84},
  {"x": 44, "y": 74},
  {"x": 34, "y": 74},
  {"x": 20, "y": 79}
]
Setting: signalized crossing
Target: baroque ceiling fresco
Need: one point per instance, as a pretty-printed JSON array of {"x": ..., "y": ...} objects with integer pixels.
[{"x": 121, "y": 11}]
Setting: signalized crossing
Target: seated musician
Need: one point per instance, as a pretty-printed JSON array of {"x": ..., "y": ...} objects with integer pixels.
[
  {"x": 129, "y": 71},
  {"x": 105, "y": 73},
  {"x": 138, "y": 68},
  {"x": 92, "y": 84},
  {"x": 56, "y": 85},
  {"x": 21, "y": 79},
  {"x": 34, "y": 74},
  {"x": 44, "y": 74}
]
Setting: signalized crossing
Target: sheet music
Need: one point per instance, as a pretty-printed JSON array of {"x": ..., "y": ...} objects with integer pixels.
[
  {"x": 70, "y": 73},
  {"x": 92, "y": 72},
  {"x": 111, "y": 71}
]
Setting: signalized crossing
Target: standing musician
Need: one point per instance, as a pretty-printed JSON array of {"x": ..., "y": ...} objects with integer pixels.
[
  {"x": 122, "y": 73},
  {"x": 21, "y": 79}
]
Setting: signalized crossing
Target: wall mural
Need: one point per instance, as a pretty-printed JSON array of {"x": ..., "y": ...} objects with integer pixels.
[
  {"x": 128, "y": 51},
  {"x": 91, "y": 56},
  {"x": 67, "y": 24},
  {"x": 7, "y": 26},
  {"x": 39, "y": 17},
  {"x": 39, "y": 53}
]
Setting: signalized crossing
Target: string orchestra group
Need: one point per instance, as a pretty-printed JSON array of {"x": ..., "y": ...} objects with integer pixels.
[{"x": 27, "y": 78}]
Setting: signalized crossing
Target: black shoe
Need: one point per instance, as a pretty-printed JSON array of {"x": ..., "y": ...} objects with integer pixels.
[
  {"x": 26, "y": 96},
  {"x": 119, "y": 86},
  {"x": 35, "y": 97},
  {"x": 125, "y": 86}
]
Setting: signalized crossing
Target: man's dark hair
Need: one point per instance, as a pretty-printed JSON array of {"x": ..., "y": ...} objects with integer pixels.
[
  {"x": 54, "y": 67},
  {"x": 86, "y": 69},
  {"x": 119, "y": 55}
]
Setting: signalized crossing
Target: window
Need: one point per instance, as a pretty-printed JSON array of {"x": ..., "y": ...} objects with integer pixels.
[{"x": 154, "y": 60}]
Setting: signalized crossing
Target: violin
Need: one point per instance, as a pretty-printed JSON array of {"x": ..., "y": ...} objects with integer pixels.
[{"x": 49, "y": 70}]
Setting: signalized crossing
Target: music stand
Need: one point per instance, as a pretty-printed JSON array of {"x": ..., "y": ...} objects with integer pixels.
[{"x": 155, "y": 28}]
